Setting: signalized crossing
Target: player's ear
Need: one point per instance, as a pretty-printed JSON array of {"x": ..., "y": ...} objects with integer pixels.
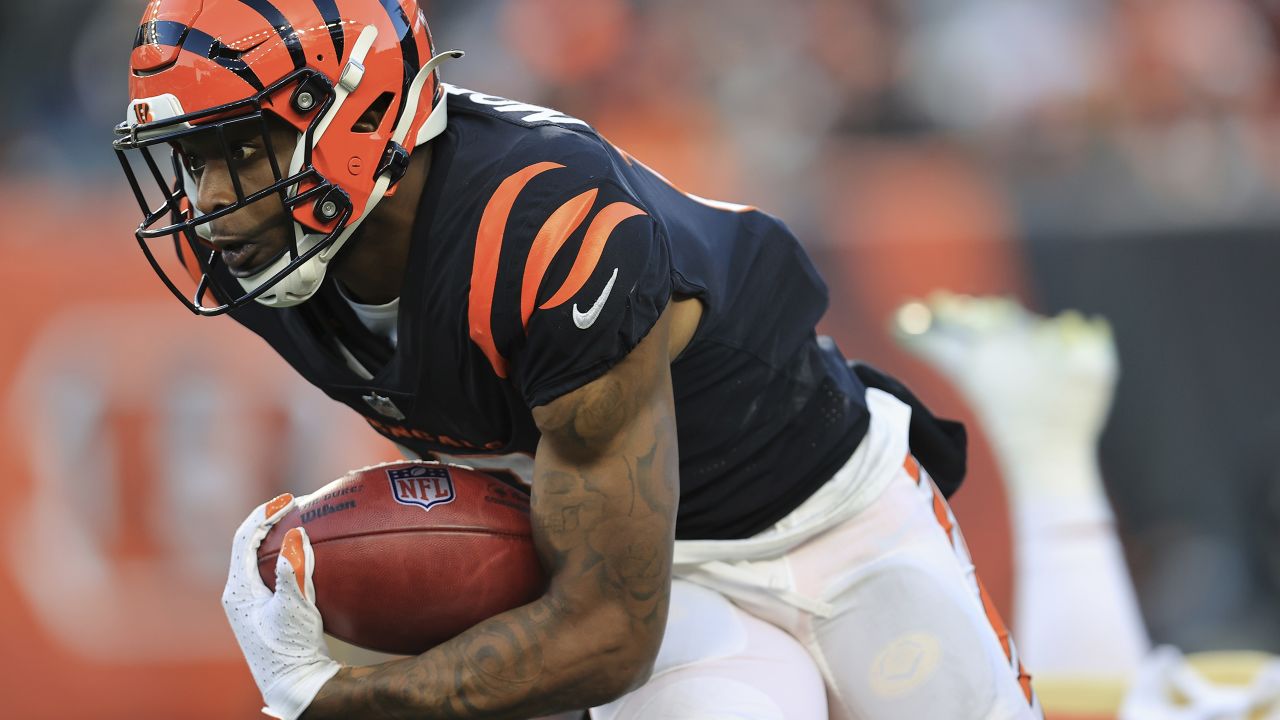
[{"x": 371, "y": 118}]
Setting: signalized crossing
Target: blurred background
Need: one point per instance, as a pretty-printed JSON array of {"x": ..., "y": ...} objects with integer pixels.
[{"x": 1121, "y": 157}]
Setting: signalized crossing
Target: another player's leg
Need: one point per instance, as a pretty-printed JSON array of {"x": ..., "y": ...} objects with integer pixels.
[{"x": 720, "y": 662}]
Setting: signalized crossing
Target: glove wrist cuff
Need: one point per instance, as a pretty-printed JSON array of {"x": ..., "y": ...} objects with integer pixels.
[{"x": 294, "y": 693}]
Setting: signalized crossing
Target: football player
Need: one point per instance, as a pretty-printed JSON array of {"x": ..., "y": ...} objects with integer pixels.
[{"x": 737, "y": 521}]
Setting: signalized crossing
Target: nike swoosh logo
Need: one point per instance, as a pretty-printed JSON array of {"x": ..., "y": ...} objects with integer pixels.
[
  {"x": 218, "y": 51},
  {"x": 586, "y": 319}
]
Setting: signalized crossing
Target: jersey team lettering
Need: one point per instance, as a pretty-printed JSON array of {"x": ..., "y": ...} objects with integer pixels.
[{"x": 536, "y": 113}]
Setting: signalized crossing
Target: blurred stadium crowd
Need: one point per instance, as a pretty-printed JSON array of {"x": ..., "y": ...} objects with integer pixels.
[
  {"x": 1155, "y": 111},
  {"x": 1122, "y": 156}
]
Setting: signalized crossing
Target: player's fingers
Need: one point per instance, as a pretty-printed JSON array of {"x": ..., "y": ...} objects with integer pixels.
[
  {"x": 295, "y": 565},
  {"x": 262, "y": 518},
  {"x": 249, "y": 526},
  {"x": 276, "y": 508},
  {"x": 244, "y": 555}
]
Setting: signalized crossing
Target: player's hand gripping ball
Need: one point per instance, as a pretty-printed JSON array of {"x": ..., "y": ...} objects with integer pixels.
[
  {"x": 410, "y": 554},
  {"x": 280, "y": 633}
]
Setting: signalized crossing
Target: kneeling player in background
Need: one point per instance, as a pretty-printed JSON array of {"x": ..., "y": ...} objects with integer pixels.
[{"x": 733, "y": 517}]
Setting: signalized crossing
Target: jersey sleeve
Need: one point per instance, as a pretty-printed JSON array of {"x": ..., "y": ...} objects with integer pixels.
[
  {"x": 599, "y": 298},
  {"x": 583, "y": 273}
]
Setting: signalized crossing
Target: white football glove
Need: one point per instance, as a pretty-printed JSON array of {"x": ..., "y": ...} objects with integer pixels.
[{"x": 280, "y": 633}]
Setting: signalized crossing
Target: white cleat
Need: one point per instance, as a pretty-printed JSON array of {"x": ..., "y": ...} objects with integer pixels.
[{"x": 1172, "y": 687}]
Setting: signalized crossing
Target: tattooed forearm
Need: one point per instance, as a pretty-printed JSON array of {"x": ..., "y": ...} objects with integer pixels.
[
  {"x": 492, "y": 670},
  {"x": 604, "y": 502}
]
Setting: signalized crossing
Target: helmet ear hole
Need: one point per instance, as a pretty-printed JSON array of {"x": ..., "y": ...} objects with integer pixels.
[{"x": 371, "y": 119}]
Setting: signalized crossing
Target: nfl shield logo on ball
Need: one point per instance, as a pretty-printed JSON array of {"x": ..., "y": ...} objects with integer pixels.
[{"x": 425, "y": 487}]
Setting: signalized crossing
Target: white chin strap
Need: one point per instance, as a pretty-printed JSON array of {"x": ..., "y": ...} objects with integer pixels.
[{"x": 299, "y": 285}]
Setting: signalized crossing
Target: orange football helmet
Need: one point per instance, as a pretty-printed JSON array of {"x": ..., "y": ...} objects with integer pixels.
[{"x": 204, "y": 66}]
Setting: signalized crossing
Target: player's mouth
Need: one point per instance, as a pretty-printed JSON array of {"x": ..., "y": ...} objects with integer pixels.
[{"x": 242, "y": 257}]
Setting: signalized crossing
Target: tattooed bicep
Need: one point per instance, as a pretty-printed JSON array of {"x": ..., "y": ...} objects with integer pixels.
[
  {"x": 587, "y": 420},
  {"x": 595, "y": 418},
  {"x": 606, "y": 488}
]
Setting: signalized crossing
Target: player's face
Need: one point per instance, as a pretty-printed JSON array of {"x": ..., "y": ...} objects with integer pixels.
[{"x": 249, "y": 238}]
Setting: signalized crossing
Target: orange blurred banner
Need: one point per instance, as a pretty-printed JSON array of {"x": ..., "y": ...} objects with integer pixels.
[{"x": 134, "y": 437}]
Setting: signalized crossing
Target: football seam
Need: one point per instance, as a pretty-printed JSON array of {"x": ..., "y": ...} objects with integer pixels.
[{"x": 464, "y": 531}]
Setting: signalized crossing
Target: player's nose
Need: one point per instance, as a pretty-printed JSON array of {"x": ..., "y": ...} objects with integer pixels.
[{"x": 216, "y": 188}]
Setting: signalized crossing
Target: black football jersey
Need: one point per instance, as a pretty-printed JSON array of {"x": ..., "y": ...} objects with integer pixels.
[{"x": 541, "y": 256}]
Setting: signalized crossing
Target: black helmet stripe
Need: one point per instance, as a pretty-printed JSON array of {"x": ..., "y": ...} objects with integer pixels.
[
  {"x": 408, "y": 50},
  {"x": 174, "y": 34},
  {"x": 333, "y": 20},
  {"x": 282, "y": 27},
  {"x": 160, "y": 32},
  {"x": 202, "y": 43}
]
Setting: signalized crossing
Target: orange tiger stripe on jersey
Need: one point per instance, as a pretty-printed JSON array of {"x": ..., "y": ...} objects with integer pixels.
[
  {"x": 484, "y": 267},
  {"x": 592, "y": 248},
  {"x": 553, "y": 235}
]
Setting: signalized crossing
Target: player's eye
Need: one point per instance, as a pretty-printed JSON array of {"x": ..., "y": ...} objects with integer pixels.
[
  {"x": 241, "y": 152},
  {"x": 192, "y": 162}
]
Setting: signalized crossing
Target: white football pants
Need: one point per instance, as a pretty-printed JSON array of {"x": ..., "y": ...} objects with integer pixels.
[{"x": 879, "y": 617}]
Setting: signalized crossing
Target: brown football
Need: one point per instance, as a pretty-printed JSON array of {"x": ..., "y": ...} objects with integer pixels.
[{"x": 410, "y": 554}]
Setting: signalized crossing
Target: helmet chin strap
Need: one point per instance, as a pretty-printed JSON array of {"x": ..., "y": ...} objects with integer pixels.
[{"x": 298, "y": 286}]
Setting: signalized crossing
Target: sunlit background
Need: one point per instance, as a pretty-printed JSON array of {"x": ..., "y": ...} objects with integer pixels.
[{"x": 1120, "y": 157}]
